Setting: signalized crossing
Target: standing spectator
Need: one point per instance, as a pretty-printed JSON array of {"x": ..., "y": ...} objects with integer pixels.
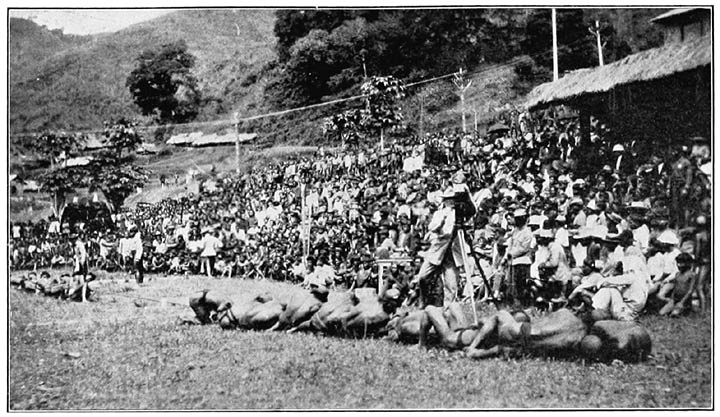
[
  {"x": 438, "y": 258},
  {"x": 210, "y": 245},
  {"x": 681, "y": 176},
  {"x": 518, "y": 258},
  {"x": 135, "y": 247},
  {"x": 80, "y": 256}
]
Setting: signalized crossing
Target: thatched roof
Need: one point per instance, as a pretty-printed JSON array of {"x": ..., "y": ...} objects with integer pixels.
[
  {"x": 78, "y": 161},
  {"x": 677, "y": 13},
  {"x": 226, "y": 139},
  {"x": 147, "y": 148},
  {"x": 643, "y": 66},
  {"x": 184, "y": 138}
]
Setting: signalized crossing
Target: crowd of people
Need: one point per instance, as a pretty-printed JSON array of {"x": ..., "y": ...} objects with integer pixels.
[{"x": 626, "y": 228}]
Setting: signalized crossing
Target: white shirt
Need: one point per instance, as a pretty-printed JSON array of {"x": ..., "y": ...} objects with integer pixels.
[{"x": 210, "y": 245}]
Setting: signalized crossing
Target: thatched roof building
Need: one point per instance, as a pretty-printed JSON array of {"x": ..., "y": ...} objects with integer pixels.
[
  {"x": 653, "y": 98},
  {"x": 199, "y": 139},
  {"x": 644, "y": 66},
  {"x": 226, "y": 139}
]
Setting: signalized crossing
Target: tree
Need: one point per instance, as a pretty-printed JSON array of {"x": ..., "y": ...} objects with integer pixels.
[
  {"x": 113, "y": 172},
  {"x": 122, "y": 134},
  {"x": 381, "y": 112},
  {"x": 345, "y": 125},
  {"x": 60, "y": 182},
  {"x": 54, "y": 145},
  {"x": 116, "y": 180},
  {"x": 326, "y": 53},
  {"x": 162, "y": 85}
]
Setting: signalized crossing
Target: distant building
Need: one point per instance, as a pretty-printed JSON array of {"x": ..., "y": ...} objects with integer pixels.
[
  {"x": 683, "y": 25},
  {"x": 198, "y": 139}
]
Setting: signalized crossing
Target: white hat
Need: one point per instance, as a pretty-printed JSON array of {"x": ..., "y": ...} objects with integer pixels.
[
  {"x": 521, "y": 212},
  {"x": 591, "y": 205},
  {"x": 668, "y": 237},
  {"x": 535, "y": 219},
  {"x": 618, "y": 148},
  {"x": 545, "y": 233}
]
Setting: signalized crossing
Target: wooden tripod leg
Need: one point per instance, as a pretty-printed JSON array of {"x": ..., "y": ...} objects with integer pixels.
[{"x": 466, "y": 265}]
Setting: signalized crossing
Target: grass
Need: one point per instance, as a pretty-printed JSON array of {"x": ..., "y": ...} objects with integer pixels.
[{"x": 118, "y": 354}]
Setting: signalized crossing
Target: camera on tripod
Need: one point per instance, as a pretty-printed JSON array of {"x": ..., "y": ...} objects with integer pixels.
[{"x": 464, "y": 208}]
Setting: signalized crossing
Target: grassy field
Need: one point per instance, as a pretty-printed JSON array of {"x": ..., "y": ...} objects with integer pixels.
[{"x": 123, "y": 352}]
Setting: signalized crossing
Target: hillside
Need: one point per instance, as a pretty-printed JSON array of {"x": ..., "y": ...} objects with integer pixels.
[{"x": 78, "y": 82}]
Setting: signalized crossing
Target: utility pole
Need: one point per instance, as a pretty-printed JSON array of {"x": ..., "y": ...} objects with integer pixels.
[
  {"x": 362, "y": 56},
  {"x": 555, "y": 48},
  {"x": 237, "y": 141},
  {"x": 475, "y": 112},
  {"x": 459, "y": 82},
  {"x": 596, "y": 32},
  {"x": 422, "y": 126}
]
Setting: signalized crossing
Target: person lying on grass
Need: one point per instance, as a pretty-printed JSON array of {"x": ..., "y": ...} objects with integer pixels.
[
  {"x": 560, "y": 333},
  {"x": 261, "y": 312},
  {"x": 328, "y": 319},
  {"x": 407, "y": 324},
  {"x": 301, "y": 307},
  {"x": 354, "y": 314},
  {"x": 74, "y": 288},
  {"x": 370, "y": 315}
]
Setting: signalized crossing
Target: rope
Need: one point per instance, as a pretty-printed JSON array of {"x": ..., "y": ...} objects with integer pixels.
[{"x": 148, "y": 299}]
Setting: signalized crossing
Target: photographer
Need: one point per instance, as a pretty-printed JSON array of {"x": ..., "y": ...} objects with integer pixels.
[{"x": 437, "y": 258}]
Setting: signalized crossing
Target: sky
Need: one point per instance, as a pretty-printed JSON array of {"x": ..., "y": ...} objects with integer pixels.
[{"x": 87, "y": 21}]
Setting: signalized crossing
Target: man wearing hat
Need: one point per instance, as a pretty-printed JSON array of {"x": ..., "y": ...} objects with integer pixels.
[
  {"x": 663, "y": 281},
  {"x": 550, "y": 263},
  {"x": 441, "y": 231},
  {"x": 518, "y": 258},
  {"x": 622, "y": 163}
]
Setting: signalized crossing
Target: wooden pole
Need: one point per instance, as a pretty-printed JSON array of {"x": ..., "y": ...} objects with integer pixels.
[
  {"x": 596, "y": 32},
  {"x": 422, "y": 126},
  {"x": 459, "y": 82},
  {"x": 237, "y": 142},
  {"x": 555, "y": 49}
]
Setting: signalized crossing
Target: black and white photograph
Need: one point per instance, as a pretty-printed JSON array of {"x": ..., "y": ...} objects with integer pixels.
[{"x": 401, "y": 207}]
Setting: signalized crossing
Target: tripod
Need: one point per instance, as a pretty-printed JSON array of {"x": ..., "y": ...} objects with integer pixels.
[{"x": 460, "y": 235}]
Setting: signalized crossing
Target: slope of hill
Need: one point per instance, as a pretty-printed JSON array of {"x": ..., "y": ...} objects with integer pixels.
[
  {"x": 77, "y": 82},
  {"x": 81, "y": 83}
]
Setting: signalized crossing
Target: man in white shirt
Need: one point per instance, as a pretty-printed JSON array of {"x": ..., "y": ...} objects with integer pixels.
[
  {"x": 622, "y": 297},
  {"x": 438, "y": 258},
  {"x": 210, "y": 245},
  {"x": 135, "y": 248}
]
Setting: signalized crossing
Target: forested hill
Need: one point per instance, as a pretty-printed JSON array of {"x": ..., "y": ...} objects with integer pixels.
[
  {"x": 263, "y": 60},
  {"x": 78, "y": 82}
]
